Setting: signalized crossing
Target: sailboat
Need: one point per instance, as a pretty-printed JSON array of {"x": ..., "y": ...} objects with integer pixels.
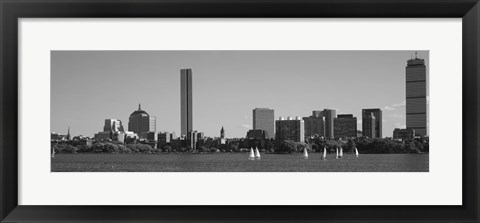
[
  {"x": 252, "y": 155},
  {"x": 305, "y": 153},
  {"x": 324, "y": 157},
  {"x": 337, "y": 153},
  {"x": 356, "y": 152},
  {"x": 257, "y": 154},
  {"x": 341, "y": 153},
  {"x": 53, "y": 153}
]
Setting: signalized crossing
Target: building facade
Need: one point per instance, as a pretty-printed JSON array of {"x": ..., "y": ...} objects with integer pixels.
[
  {"x": 140, "y": 122},
  {"x": 186, "y": 99},
  {"x": 367, "y": 116},
  {"x": 164, "y": 139},
  {"x": 345, "y": 126},
  {"x": 112, "y": 129},
  {"x": 103, "y": 135},
  {"x": 192, "y": 138},
  {"x": 258, "y": 134},
  {"x": 290, "y": 129},
  {"x": 369, "y": 125},
  {"x": 329, "y": 115},
  {"x": 416, "y": 95},
  {"x": 113, "y": 125},
  {"x": 403, "y": 134},
  {"x": 264, "y": 119},
  {"x": 314, "y": 124},
  {"x": 320, "y": 123}
]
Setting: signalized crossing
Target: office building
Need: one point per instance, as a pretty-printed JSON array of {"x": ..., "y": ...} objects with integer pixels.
[
  {"x": 103, "y": 135},
  {"x": 416, "y": 96},
  {"x": 314, "y": 124},
  {"x": 112, "y": 129},
  {"x": 119, "y": 137},
  {"x": 320, "y": 123},
  {"x": 186, "y": 104},
  {"x": 369, "y": 125},
  {"x": 329, "y": 115},
  {"x": 141, "y": 122},
  {"x": 264, "y": 119},
  {"x": 164, "y": 139},
  {"x": 345, "y": 126},
  {"x": 113, "y": 125},
  {"x": 367, "y": 116},
  {"x": 258, "y": 134},
  {"x": 192, "y": 138},
  {"x": 403, "y": 134},
  {"x": 290, "y": 129}
]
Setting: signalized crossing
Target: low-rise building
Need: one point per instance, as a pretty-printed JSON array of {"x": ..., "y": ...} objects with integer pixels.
[
  {"x": 404, "y": 134},
  {"x": 257, "y": 134}
]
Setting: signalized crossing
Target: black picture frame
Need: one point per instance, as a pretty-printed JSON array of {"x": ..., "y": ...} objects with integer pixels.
[{"x": 12, "y": 10}]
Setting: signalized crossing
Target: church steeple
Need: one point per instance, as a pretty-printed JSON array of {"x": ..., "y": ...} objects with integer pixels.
[
  {"x": 139, "y": 107},
  {"x": 222, "y": 133},
  {"x": 68, "y": 134}
]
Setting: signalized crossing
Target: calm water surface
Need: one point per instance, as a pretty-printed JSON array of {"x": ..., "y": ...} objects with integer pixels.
[{"x": 238, "y": 162}]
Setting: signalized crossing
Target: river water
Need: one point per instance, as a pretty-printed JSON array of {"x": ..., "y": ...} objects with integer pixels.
[{"x": 238, "y": 162}]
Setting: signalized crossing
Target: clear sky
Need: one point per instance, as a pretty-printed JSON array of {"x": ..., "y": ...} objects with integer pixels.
[{"x": 90, "y": 86}]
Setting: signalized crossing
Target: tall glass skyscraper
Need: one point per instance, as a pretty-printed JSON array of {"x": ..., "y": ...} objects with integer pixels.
[
  {"x": 264, "y": 119},
  {"x": 186, "y": 101},
  {"x": 416, "y": 96},
  {"x": 368, "y": 116}
]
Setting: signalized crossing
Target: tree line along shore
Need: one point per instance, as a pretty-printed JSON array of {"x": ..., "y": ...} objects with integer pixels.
[{"x": 364, "y": 146}]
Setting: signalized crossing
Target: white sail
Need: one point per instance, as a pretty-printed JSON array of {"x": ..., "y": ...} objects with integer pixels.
[
  {"x": 337, "y": 153},
  {"x": 324, "y": 153},
  {"x": 257, "y": 154},
  {"x": 356, "y": 152},
  {"x": 341, "y": 152},
  {"x": 305, "y": 153},
  {"x": 252, "y": 155}
]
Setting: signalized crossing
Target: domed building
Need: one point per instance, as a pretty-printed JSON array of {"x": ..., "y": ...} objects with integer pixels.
[{"x": 141, "y": 122}]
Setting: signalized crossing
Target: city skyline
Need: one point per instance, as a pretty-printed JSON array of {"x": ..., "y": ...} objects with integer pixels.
[{"x": 229, "y": 110}]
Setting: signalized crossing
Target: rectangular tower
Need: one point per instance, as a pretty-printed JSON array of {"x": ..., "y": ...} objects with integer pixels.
[
  {"x": 186, "y": 101},
  {"x": 416, "y": 96},
  {"x": 290, "y": 129},
  {"x": 345, "y": 126},
  {"x": 367, "y": 116},
  {"x": 329, "y": 126},
  {"x": 264, "y": 119},
  {"x": 314, "y": 124}
]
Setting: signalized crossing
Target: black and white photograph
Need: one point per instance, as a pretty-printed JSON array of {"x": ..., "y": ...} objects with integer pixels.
[{"x": 239, "y": 111}]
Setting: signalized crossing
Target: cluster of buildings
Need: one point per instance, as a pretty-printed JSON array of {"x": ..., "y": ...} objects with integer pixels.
[
  {"x": 142, "y": 126},
  {"x": 325, "y": 123},
  {"x": 322, "y": 123}
]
